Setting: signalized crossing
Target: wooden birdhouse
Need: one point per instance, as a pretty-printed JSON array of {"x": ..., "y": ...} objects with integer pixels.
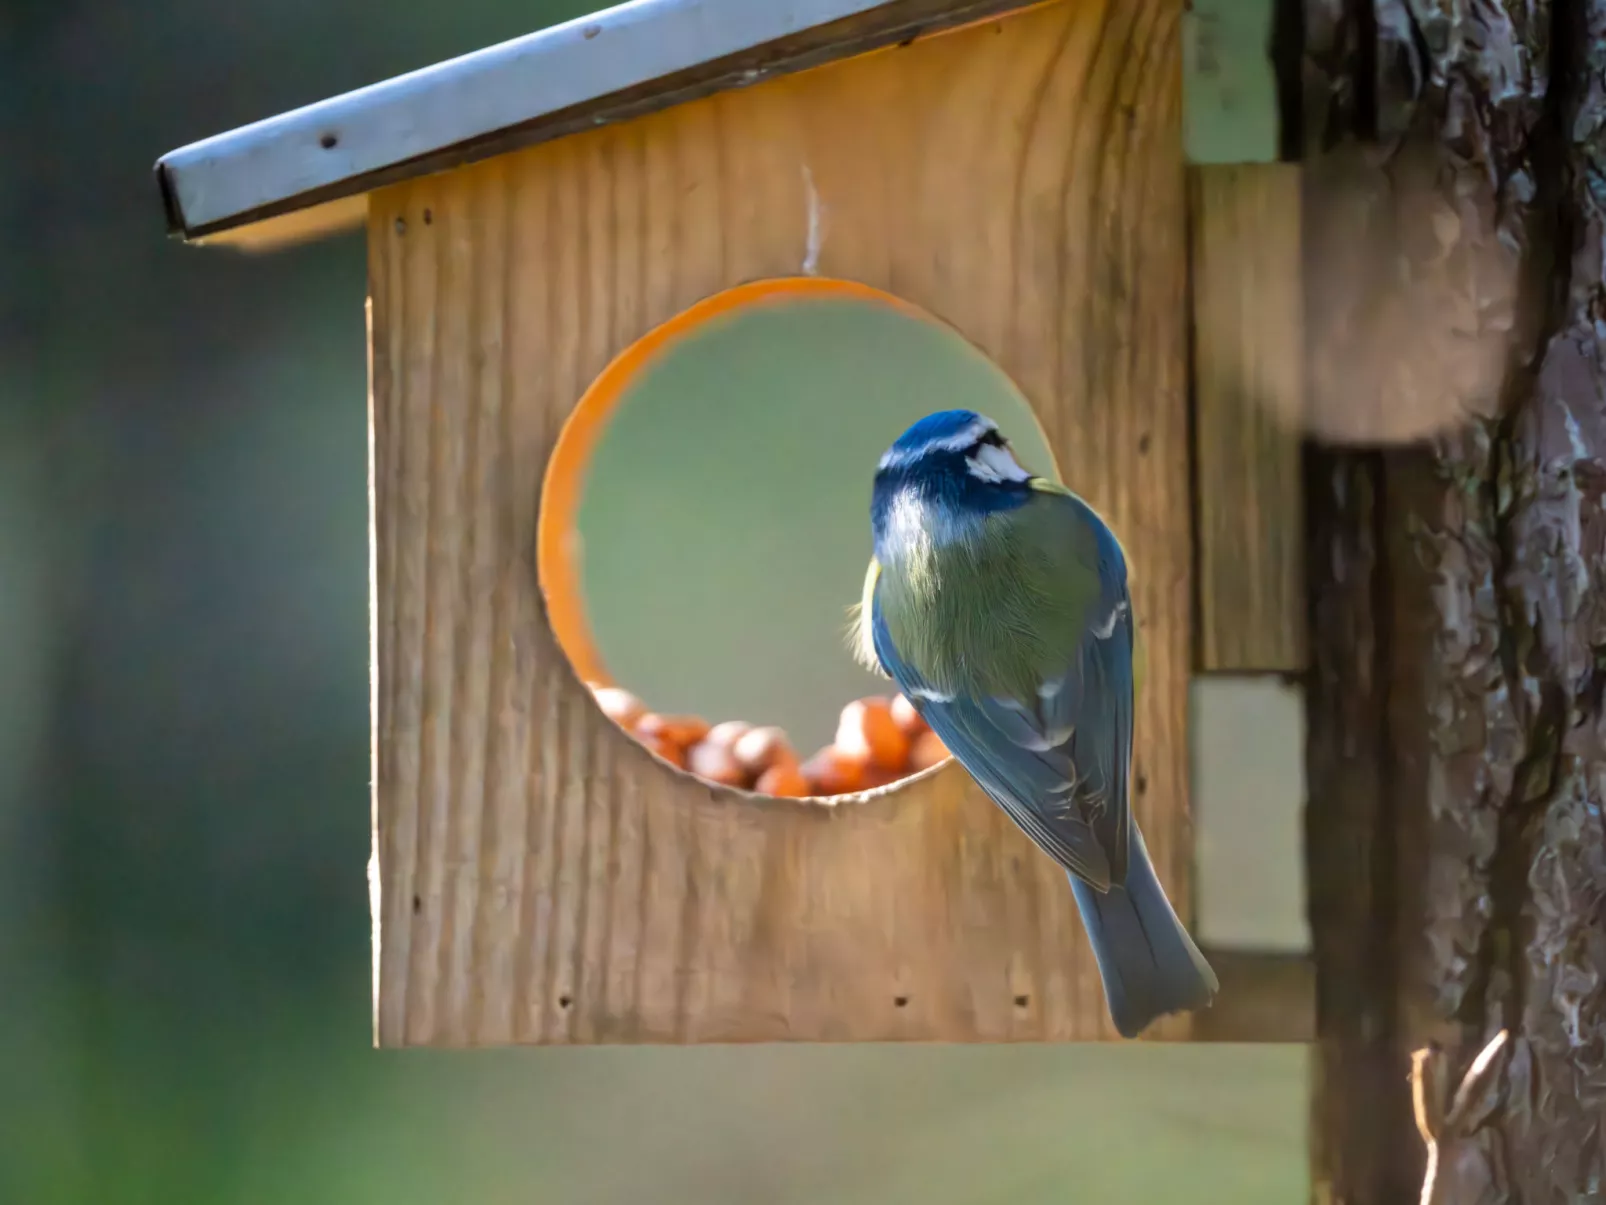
[{"x": 543, "y": 213}]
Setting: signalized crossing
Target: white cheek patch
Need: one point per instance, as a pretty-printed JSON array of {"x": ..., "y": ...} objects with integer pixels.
[{"x": 994, "y": 464}]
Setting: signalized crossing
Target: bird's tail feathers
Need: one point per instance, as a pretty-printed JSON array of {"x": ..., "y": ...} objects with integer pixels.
[{"x": 1149, "y": 964}]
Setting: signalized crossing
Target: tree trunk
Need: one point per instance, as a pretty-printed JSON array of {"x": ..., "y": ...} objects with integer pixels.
[{"x": 1456, "y": 850}]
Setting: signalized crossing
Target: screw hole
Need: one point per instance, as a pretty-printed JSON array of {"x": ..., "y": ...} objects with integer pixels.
[
  {"x": 429, "y": 218},
  {"x": 1143, "y": 444},
  {"x": 1022, "y": 1001},
  {"x": 901, "y": 1001},
  {"x": 329, "y": 141},
  {"x": 1143, "y": 784},
  {"x": 564, "y": 1001},
  {"x": 418, "y": 905}
]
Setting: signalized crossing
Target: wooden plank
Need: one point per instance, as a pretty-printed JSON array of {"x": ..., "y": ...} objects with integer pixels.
[
  {"x": 607, "y": 66},
  {"x": 1248, "y": 389},
  {"x": 543, "y": 880}
]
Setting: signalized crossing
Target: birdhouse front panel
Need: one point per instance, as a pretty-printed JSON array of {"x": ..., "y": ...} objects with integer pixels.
[{"x": 541, "y": 878}]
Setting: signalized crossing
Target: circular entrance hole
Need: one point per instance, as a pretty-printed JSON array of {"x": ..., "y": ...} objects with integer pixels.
[{"x": 705, "y": 528}]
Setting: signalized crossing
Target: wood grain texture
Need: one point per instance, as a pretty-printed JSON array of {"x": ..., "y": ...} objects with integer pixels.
[
  {"x": 543, "y": 879},
  {"x": 1248, "y": 390}
]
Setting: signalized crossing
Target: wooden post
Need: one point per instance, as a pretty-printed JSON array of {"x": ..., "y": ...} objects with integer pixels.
[
  {"x": 1457, "y": 732},
  {"x": 542, "y": 878}
]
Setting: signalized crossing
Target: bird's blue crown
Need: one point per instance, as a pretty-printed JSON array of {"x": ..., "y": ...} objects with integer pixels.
[
  {"x": 955, "y": 464},
  {"x": 945, "y": 432}
]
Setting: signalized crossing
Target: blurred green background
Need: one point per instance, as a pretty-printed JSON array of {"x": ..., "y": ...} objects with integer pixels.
[
  {"x": 184, "y": 965},
  {"x": 724, "y": 520}
]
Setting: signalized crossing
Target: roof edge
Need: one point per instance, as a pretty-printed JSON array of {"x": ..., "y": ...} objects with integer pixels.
[{"x": 624, "y": 62}]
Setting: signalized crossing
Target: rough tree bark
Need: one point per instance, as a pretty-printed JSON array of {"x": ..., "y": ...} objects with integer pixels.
[{"x": 1456, "y": 322}]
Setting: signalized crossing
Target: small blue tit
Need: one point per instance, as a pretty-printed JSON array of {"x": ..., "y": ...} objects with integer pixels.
[{"x": 998, "y": 603}]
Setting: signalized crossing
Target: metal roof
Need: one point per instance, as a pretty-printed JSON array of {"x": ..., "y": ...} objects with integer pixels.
[{"x": 618, "y": 63}]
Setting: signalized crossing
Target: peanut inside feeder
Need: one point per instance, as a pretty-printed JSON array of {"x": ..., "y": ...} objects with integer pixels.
[{"x": 879, "y": 739}]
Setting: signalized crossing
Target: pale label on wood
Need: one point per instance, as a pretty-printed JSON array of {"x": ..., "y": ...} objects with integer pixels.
[{"x": 542, "y": 879}]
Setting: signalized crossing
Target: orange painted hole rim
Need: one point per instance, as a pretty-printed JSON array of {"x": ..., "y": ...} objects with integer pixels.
[{"x": 563, "y": 484}]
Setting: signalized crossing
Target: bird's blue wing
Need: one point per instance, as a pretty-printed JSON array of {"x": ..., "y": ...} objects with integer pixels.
[{"x": 1058, "y": 764}]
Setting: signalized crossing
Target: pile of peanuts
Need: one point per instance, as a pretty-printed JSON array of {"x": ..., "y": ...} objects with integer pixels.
[{"x": 878, "y": 741}]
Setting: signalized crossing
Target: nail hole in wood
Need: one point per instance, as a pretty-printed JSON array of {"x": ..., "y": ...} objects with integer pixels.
[
  {"x": 418, "y": 905},
  {"x": 1143, "y": 444},
  {"x": 429, "y": 218},
  {"x": 1143, "y": 784},
  {"x": 1022, "y": 1001},
  {"x": 564, "y": 1001},
  {"x": 901, "y": 1001}
]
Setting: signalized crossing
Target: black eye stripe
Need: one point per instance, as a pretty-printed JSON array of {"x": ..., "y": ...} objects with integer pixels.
[{"x": 993, "y": 438}]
